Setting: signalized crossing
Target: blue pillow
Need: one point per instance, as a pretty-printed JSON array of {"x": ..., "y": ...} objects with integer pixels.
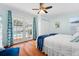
[{"x": 10, "y": 52}]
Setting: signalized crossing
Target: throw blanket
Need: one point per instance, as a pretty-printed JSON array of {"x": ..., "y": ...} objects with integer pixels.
[
  {"x": 10, "y": 52},
  {"x": 40, "y": 40}
]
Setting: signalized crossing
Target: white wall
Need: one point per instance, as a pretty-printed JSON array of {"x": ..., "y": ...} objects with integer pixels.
[
  {"x": 43, "y": 25},
  {"x": 65, "y": 25},
  {"x": 47, "y": 24}
]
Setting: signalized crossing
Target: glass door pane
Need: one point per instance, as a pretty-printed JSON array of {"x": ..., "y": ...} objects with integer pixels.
[
  {"x": 21, "y": 30},
  {"x": 17, "y": 31},
  {"x": 29, "y": 31}
]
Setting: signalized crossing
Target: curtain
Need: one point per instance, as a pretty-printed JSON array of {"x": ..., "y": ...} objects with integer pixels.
[
  {"x": 34, "y": 32},
  {"x": 9, "y": 29}
]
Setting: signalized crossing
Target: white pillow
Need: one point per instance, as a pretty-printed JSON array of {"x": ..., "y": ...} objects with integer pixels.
[{"x": 75, "y": 35}]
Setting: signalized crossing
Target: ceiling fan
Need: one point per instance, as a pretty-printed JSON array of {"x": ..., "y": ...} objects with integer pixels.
[{"x": 42, "y": 8}]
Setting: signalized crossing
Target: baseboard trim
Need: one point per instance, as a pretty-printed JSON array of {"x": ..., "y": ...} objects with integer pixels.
[{"x": 22, "y": 42}]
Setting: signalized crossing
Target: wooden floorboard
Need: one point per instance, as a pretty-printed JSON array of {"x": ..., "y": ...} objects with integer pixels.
[{"x": 29, "y": 49}]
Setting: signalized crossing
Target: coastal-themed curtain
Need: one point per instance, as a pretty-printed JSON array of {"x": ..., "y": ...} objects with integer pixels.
[
  {"x": 9, "y": 29},
  {"x": 34, "y": 28}
]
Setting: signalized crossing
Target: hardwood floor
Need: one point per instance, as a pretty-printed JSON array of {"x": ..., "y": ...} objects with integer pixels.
[{"x": 29, "y": 49}]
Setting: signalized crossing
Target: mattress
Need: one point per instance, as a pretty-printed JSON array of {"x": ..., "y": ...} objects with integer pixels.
[{"x": 60, "y": 45}]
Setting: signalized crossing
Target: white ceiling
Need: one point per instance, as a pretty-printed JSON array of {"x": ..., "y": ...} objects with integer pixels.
[{"x": 58, "y": 8}]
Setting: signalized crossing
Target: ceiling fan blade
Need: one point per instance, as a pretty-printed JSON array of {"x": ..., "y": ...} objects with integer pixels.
[
  {"x": 48, "y": 7},
  {"x": 35, "y": 9},
  {"x": 45, "y": 11}
]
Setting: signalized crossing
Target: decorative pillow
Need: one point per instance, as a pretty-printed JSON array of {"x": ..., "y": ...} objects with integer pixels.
[{"x": 75, "y": 37}]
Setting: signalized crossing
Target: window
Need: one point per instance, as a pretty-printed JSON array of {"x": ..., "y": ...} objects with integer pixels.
[
  {"x": 29, "y": 31},
  {"x": 18, "y": 29},
  {"x": 22, "y": 30}
]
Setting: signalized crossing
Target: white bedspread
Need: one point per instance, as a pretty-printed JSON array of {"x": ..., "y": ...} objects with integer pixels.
[{"x": 60, "y": 45}]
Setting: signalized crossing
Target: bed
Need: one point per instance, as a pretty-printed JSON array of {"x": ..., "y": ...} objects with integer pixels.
[
  {"x": 60, "y": 45},
  {"x": 40, "y": 40}
]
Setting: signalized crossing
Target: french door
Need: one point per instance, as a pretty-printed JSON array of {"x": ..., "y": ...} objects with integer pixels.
[{"x": 21, "y": 31}]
